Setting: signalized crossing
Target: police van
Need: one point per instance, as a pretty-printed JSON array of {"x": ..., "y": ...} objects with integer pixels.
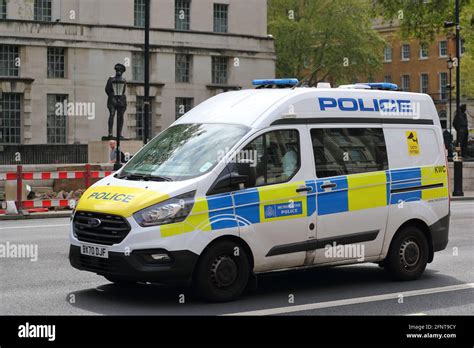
[{"x": 274, "y": 178}]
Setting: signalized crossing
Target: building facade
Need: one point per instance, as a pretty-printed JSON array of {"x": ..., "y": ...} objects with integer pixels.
[
  {"x": 56, "y": 57},
  {"x": 420, "y": 66}
]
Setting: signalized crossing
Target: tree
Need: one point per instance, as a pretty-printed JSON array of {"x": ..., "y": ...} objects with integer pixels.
[
  {"x": 467, "y": 61},
  {"x": 332, "y": 39},
  {"x": 418, "y": 19}
]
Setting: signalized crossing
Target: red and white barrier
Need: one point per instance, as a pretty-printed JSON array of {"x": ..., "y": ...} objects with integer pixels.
[
  {"x": 19, "y": 176},
  {"x": 53, "y": 175},
  {"x": 48, "y": 203}
]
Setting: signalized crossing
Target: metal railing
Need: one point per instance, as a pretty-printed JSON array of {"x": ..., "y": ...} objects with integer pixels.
[{"x": 43, "y": 154}]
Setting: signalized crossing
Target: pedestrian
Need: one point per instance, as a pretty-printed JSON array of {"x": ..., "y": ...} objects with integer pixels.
[
  {"x": 461, "y": 125},
  {"x": 113, "y": 151},
  {"x": 448, "y": 142}
]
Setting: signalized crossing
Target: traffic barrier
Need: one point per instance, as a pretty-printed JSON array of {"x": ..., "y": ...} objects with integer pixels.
[{"x": 32, "y": 205}]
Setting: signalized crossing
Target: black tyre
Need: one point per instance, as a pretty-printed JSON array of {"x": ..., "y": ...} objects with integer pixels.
[
  {"x": 222, "y": 272},
  {"x": 408, "y": 254},
  {"x": 120, "y": 281}
]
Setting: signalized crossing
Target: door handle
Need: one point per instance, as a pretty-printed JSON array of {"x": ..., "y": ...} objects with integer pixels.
[
  {"x": 304, "y": 189},
  {"x": 328, "y": 186}
]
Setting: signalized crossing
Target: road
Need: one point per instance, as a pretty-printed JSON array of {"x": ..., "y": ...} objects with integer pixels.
[{"x": 50, "y": 286}]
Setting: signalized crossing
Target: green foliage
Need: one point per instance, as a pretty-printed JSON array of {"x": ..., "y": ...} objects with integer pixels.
[
  {"x": 418, "y": 19},
  {"x": 467, "y": 61},
  {"x": 333, "y": 39}
]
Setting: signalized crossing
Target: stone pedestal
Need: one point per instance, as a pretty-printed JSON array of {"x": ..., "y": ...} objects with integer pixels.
[{"x": 99, "y": 151}]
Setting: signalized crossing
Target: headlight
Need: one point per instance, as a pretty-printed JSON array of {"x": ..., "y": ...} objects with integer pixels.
[{"x": 168, "y": 212}]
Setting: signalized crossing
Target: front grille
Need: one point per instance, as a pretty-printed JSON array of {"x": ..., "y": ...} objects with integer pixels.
[
  {"x": 98, "y": 265},
  {"x": 111, "y": 230}
]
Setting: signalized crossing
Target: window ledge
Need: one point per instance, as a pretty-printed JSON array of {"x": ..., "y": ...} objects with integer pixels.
[
  {"x": 16, "y": 79},
  {"x": 224, "y": 87},
  {"x": 142, "y": 83}
]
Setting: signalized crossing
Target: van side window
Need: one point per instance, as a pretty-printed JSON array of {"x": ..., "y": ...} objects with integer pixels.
[
  {"x": 277, "y": 156},
  {"x": 345, "y": 151}
]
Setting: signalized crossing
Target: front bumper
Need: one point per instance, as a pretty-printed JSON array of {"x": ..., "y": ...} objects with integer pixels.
[{"x": 134, "y": 267}]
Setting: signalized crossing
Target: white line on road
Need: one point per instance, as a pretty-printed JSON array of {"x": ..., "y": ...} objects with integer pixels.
[
  {"x": 29, "y": 226},
  {"x": 357, "y": 300}
]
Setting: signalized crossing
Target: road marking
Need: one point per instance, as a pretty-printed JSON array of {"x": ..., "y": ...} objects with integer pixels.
[
  {"x": 416, "y": 314},
  {"x": 29, "y": 226},
  {"x": 357, "y": 300}
]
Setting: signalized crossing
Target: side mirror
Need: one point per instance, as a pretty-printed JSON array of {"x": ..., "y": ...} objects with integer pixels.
[
  {"x": 233, "y": 176},
  {"x": 247, "y": 170}
]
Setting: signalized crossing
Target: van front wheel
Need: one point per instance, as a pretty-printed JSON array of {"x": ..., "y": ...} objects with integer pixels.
[
  {"x": 223, "y": 272},
  {"x": 408, "y": 254}
]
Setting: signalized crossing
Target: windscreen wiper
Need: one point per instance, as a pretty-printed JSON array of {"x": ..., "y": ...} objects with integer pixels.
[{"x": 144, "y": 177}]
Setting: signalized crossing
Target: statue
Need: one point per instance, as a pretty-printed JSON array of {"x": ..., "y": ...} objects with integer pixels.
[{"x": 117, "y": 100}]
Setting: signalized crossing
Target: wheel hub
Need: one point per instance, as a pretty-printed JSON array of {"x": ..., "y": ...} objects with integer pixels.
[
  {"x": 409, "y": 253},
  {"x": 223, "y": 271}
]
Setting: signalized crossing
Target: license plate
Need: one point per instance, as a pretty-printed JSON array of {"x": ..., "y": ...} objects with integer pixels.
[{"x": 96, "y": 251}]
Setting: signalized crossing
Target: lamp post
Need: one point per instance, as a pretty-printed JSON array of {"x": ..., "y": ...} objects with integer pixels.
[
  {"x": 458, "y": 165},
  {"x": 450, "y": 62},
  {"x": 146, "y": 101},
  {"x": 118, "y": 85}
]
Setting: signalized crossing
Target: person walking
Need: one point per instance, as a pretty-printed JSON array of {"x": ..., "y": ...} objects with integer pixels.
[{"x": 462, "y": 130}]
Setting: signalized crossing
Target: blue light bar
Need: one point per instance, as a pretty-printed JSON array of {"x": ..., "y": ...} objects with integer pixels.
[
  {"x": 275, "y": 82},
  {"x": 382, "y": 85}
]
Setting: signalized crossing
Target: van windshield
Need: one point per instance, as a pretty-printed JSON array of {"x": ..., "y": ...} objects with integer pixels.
[{"x": 183, "y": 152}]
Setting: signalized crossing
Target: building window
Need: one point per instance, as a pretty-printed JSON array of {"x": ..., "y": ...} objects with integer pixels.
[
  {"x": 443, "y": 82},
  {"x": 183, "y": 105},
  {"x": 56, "y": 123},
  {"x": 387, "y": 78},
  {"x": 182, "y": 14},
  {"x": 140, "y": 119},
  {"x": 138, "y": 66},
  {"x": 443, "y": 48},
  {"x": 10, "y": 118},
  {"x": 139, "y": 13},
  {"x": 42, "y": 10},
  {"x": 219, "y": 70},
  {"x": 424, "y": 49},
  {"x": 387, "y": 54},
  {"x": 406, "y": 83},
  {"x": 405, "y": 52},
  {"x": 56, "y": 62},
  {"x": 338, "y": 151},
  {"x": 3, "y": 9},
  {"x": 183, "y": 68},
  {"x": 9, "y": 60},
  {"x": 221, "y": 15},
  {"x": 424, "y": 83}
]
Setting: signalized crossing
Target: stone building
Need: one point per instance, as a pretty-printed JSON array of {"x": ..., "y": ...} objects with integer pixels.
[{"x": 61, "y": 52}]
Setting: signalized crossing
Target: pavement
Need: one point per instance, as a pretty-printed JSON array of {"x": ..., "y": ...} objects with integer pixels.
[{"x": 50, "y": 286}]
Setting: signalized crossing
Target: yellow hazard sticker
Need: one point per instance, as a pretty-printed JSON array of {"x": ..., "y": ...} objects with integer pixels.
[{"x": 413, "y": 143}]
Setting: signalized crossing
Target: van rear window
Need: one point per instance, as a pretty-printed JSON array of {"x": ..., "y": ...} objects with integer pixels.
[{"x": 345, "y": 151}]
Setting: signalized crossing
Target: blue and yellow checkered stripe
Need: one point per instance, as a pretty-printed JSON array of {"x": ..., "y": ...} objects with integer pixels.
[{"x": 282, "y": 202}]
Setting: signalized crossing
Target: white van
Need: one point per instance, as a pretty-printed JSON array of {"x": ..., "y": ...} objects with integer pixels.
[{"x": 271, "y": 179}]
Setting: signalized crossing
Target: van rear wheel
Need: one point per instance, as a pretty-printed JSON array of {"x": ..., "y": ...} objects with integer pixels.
[
  {"x": 222, "y": 272},
  {"x": 408, "y": 254}
]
